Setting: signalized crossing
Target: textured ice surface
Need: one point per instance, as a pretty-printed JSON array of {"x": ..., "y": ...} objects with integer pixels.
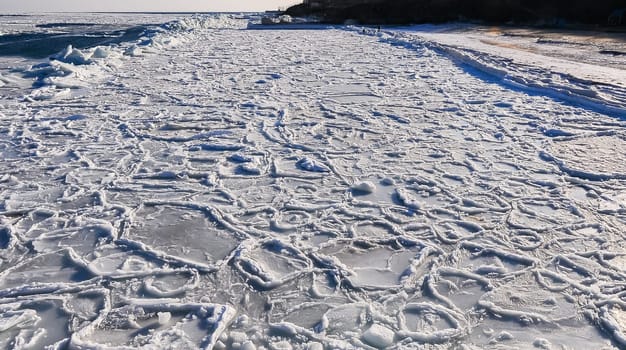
[{"x": 210, "y": 186}]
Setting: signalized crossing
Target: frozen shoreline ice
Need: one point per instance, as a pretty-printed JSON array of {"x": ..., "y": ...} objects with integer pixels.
[{"x": 213, "y": 187}]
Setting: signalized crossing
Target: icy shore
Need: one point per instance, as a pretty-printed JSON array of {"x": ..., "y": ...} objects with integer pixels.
[{"x": 214, "y": 187}]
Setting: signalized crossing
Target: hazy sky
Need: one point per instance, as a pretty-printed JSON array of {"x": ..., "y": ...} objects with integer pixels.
[{"x": 141, "y": 5}]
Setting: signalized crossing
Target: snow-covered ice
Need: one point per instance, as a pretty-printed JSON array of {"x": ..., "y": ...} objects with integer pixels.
[{"x": 215, "y": 187}]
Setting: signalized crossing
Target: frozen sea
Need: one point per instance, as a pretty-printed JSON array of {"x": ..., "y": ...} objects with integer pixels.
[{"x": 195, "y": 182}]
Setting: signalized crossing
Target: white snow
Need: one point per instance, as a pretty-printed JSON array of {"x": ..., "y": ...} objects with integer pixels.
[{"x": 213, "y": 186}]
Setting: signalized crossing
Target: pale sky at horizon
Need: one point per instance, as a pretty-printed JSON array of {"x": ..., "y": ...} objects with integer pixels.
[{"x": 15, "y": 6}]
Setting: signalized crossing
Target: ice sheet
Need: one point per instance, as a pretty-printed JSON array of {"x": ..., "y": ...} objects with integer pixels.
[{"x": 211, "y": 186}]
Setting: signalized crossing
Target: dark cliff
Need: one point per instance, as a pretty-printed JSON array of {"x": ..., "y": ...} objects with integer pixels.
[{"x": 596, "y": 12}]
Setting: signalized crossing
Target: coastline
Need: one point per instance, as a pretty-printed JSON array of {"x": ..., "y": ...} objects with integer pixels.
[{"x": 601, "y": 15}]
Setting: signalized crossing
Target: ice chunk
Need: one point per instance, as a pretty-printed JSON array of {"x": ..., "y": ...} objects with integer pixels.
[
  {"x": 542, "y": 343},
  {"x": 364, "y": 187},
  {"x": 240, "y": 158},
  {"x": 164, "y": 317},
  {"x": 406, "y": 199},
  {"x": 73, "y": 56},
  {"x": 387, "y": 181},
  {"x": 309, "y": 164},
  {"x": 378, "y": 336},
  {"x": 100, "y": 52},
  {"x": 249, "y": 169}
]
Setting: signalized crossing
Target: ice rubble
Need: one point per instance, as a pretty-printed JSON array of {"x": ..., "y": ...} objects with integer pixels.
[
  {"x": 521, "y": 71},
  {"x": 365, "y": 195},
  {"x": 75, "y": 69}
]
